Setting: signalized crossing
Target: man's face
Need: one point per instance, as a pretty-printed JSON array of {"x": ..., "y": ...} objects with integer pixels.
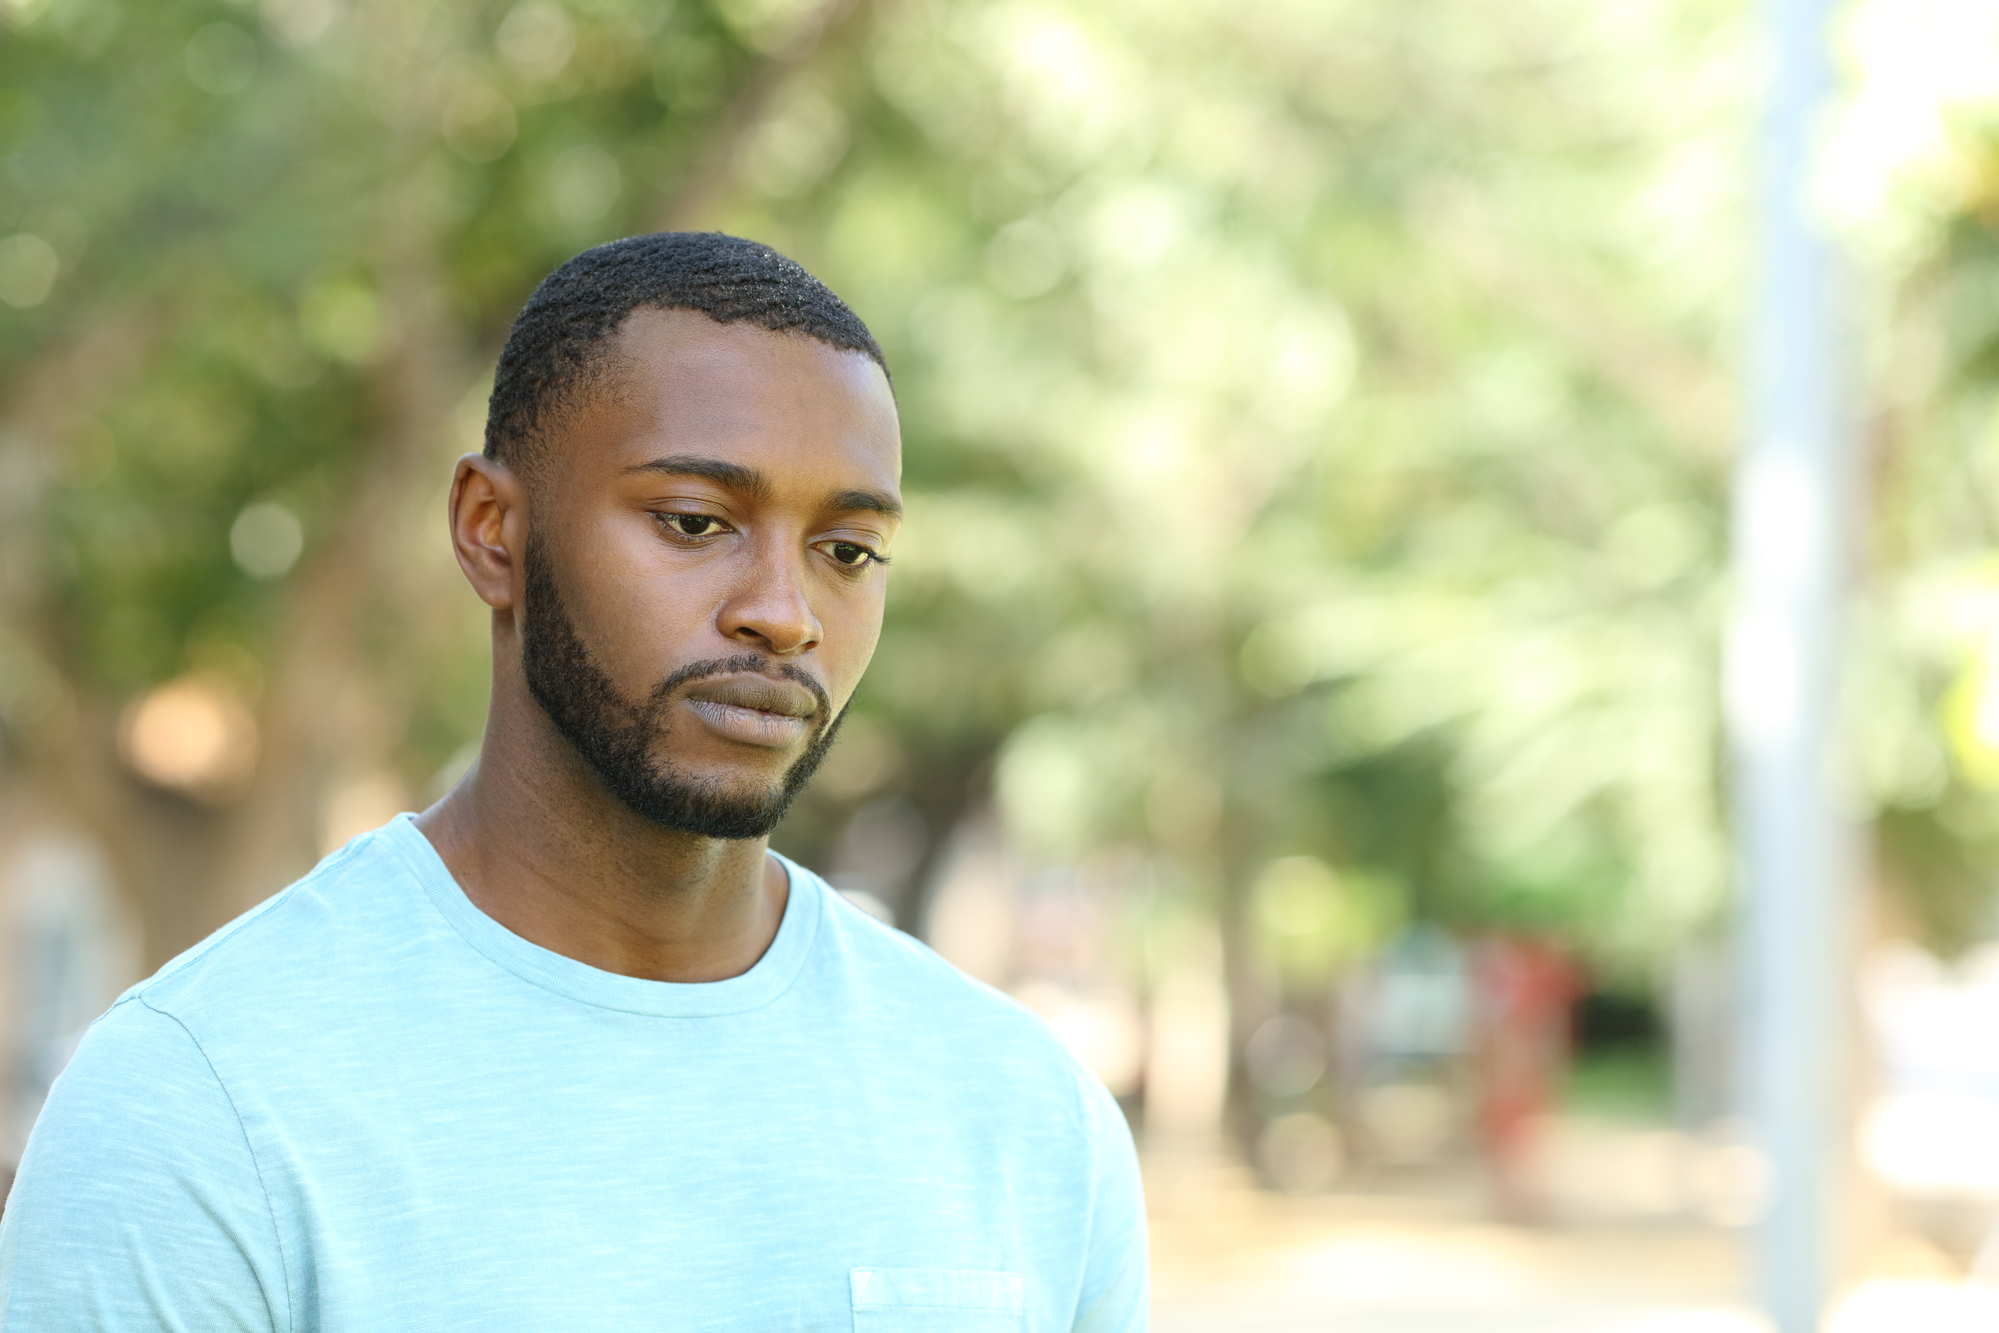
[{"x": 702, "y": 588}]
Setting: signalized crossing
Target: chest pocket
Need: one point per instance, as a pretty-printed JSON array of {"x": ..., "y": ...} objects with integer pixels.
[{"x": 935, "y": 1300}]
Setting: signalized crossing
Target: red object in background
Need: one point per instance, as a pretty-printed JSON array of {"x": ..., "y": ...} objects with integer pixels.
[{"x": 1523, "y": 990}]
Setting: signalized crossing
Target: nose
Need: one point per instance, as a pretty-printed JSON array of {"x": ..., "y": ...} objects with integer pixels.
[{"x": 769, "y": 610}]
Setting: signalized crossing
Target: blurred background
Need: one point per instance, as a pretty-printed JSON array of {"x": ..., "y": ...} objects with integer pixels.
[{"x": 1301, "y": 682}]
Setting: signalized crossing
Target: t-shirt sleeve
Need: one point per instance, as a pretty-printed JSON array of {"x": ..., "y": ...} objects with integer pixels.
[
  {"x": 138, "y": 1205},
  {"x": 1116, "y": 1293}
]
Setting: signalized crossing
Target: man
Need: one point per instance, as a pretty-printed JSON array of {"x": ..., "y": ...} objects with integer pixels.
[{"x": 572, "y": 1050}]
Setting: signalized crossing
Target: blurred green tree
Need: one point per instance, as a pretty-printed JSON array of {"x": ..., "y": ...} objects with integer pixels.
[
  {"x": 1317, "y": 417},
  {"x": 1925, "y": 703}
]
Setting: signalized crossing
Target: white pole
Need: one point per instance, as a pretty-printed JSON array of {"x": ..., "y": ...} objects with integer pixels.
[{"x": 1791, "y": 551}]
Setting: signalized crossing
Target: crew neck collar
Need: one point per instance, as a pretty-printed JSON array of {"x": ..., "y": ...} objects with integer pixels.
[{"x": 767, "y": 979}]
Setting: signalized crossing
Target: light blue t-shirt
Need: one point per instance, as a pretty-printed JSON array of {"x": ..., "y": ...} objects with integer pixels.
[{"x": 367, "y": 1106}]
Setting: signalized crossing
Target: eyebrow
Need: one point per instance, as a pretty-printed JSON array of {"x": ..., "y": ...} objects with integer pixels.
[
  {"x": 874, "y": 502},
  {"x": 753, "y": 483},
  {"x": 733, "y": 475}
]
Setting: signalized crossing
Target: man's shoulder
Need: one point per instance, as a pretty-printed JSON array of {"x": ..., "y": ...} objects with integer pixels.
[
  {"x": 301, "y": 942},
  {"x": 899, "y": 969},
  {"x": 918, "y": 995}
]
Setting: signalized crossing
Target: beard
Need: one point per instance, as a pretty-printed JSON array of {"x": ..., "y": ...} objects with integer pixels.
[{"x": 618, "y": 737}]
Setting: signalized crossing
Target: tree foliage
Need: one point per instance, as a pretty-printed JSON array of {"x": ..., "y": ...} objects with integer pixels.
[{"x": 1317, "y": 416}]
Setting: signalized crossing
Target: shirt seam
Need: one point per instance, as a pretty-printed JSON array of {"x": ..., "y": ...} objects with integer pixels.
[
  {"x": 253, "y": 919},
  {"x": 959, "y": 1306},
  {"x": 1094, "y": 1127},
  {"x": 270, "y": 1208}
]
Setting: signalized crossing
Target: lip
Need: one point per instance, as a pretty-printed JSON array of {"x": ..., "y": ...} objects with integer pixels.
[{"x": 754, "y": 710}]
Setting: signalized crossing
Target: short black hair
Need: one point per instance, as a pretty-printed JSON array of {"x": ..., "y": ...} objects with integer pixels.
[{"x": 556, "y": 348}]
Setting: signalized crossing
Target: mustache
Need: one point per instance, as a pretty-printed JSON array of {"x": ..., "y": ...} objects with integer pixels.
[{"x": 755, "y": 664}]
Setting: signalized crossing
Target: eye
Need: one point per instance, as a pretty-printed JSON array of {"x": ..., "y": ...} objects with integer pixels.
[
  {"x": 692, "y": 525},
  {"x": 853, "y": 555}
]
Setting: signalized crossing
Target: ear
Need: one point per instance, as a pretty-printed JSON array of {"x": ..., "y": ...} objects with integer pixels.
[{"x": 489, "y": 527}]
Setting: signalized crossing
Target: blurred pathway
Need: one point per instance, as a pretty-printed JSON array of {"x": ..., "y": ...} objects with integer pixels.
[{"x": 1229, "y": 1257}]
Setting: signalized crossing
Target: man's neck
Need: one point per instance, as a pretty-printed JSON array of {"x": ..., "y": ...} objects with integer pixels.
[{"x": 538, "y": 844}]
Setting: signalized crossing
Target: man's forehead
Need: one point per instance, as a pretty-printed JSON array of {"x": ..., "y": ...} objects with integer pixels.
[
  {"x": 689, "y": 345},
  {"x": 685, "y": 383}
]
